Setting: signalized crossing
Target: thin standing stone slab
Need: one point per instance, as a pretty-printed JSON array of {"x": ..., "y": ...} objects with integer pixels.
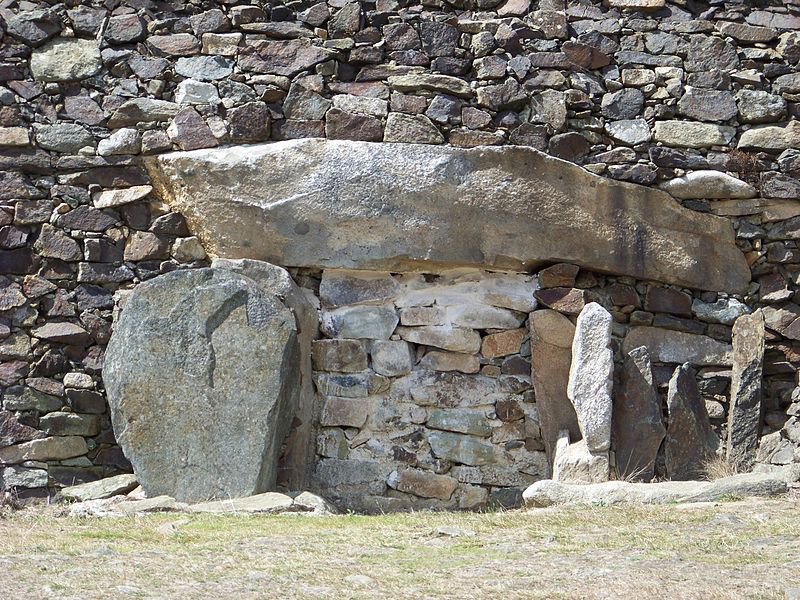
[
  {"x": 551, "y": 355},
  {"x": 744, "y": 414},
  {"x": 637, "y": 426},
  {"x": 591, "y": 376},
  {"x": 690, "y": 441}
]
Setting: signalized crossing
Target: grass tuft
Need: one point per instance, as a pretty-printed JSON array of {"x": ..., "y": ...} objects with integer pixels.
[{"x": 719, "y": 467}]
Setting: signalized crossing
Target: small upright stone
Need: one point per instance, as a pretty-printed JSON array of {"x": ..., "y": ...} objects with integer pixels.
[
  {"x": 637, "y": 427},
  {"x": 574, "y": 463},
  {"x": 551, "y": 343},
  {"x": 591, "y": 376},
  {"x": 744, "y": 413},
  {"x": 690, "y": 441}
]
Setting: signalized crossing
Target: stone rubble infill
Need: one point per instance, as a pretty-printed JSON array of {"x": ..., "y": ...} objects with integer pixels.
[{"x": 548, "y": 493}]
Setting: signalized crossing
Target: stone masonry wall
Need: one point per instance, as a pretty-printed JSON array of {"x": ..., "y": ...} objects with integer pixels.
[
  {"x": 702, "y": 98},
  {"x": 426, "y": 380}
]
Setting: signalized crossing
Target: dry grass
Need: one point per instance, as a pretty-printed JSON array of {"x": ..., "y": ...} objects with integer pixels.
[
  {"x": 719, "y": 467},
  {"x": 731, "y": 550}
]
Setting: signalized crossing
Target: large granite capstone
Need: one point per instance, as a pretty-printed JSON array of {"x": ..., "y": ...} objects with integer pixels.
[
  {"x": 399, "y": 207},
  {"x": 202, "y": 373}
]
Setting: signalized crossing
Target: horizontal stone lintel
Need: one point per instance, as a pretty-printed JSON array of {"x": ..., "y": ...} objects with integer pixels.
[{"x": 416, "y": 207}]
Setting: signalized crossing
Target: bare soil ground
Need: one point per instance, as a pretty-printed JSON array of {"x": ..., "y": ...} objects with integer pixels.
[{"x": 737, "y": 549}]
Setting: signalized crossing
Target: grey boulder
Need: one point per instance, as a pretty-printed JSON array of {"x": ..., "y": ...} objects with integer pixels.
[{"x": 202, "y": 375}]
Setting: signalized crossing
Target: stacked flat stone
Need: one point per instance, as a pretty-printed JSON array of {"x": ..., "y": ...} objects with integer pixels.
[
  {"x": 426, "y": 390},
  {"x": 703, "y": 104}
]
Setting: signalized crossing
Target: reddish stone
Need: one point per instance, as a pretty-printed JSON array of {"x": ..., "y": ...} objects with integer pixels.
[
  {"x": 559, "y": 275},
  {"x": 566, "y": 300},
  {"x": 668, "y": 300},
  {"x": 11, "y": 372},
  {"x": 14, "y": 432},
  {"x": 623, "y": 295}
]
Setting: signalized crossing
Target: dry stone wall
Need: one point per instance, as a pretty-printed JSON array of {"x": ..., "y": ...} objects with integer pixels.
[{"x": 699, "y": 98}]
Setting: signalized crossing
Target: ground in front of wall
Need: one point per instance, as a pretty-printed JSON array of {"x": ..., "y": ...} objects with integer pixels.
[{"x": 736, "y": 549}]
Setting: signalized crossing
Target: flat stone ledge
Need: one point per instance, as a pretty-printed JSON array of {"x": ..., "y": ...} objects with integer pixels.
[
  {"x": 548, "y": 492},
  {"x": 394, "y": 207}
]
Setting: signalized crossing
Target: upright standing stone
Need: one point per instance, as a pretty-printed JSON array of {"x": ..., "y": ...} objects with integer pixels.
[
  {"x": 690, "y": 441},
  {"x": 637, "y": 427},
  {"x": 591, "y": 376},
  {"x": 274, "y": 280},
  {"x": 744, "y": 414},
  {"x": 551, "y": 355},
  {"x": 202, "y": 378}
]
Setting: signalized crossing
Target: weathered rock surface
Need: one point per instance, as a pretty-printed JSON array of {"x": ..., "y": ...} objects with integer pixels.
[
  {"x": 269, "y": 502},
  {"x": 591, "y": 376},
  {"x": 574, "y": 463},
  {"x": 49, "y": 448},
  {"x": 281, "y": 57},
  {"x": 22, "y": 477},
  {"x": 691, "y": 134},
  {"x": 104, "y": 488},
  {"x": 201, "y": 375},
  {"x": 708, "y": 184},
  {"x": 771, "y": 137},
  {"x": 360, "y": 322},
  {"x": 14, "y": 432},
  {"x": 724, "y": 310},
  {"x": 668, "y": 346},
  {"x": 446, "y": 337},
  {"x": 343, "y": 356},
  {"x": 422, "y": 483},
  {"x": 275, "y": 280},
  {"x": 690, "y": 441},
  {"x": 464, "y": 449},
  {"x": 745, "y": 411},
  {"x": 460, "y": 207},
  {"x": 637, "y": 425},
  {"x": 551, "y": 355},
  {"x": 548, "y": 493},
  {"x": 305, "y": 503},
  {"x": 66, "y": 59}
]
